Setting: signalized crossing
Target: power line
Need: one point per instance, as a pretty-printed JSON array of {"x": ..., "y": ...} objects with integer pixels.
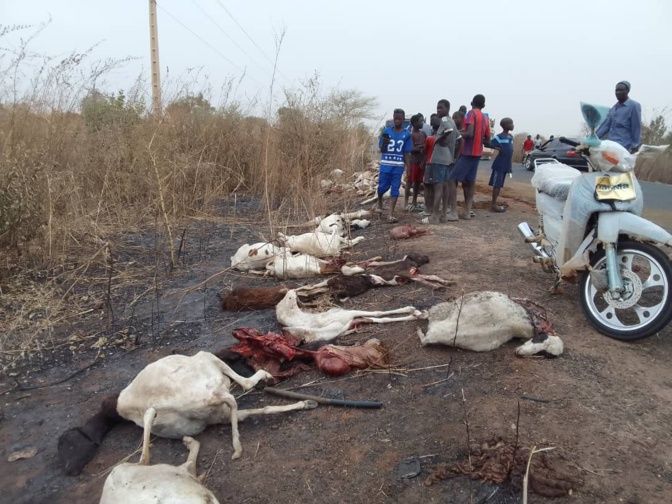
[
  {"x": 227, "y": 35},
  {"x": 250, "y": 37},
  {"x": 206, "y": 43}
]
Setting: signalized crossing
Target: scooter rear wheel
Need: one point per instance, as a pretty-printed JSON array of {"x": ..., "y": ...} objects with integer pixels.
[{"x": 645, "y": 307}]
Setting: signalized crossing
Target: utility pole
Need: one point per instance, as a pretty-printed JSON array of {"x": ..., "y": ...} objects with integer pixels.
[{"x": 154, "y": 51}]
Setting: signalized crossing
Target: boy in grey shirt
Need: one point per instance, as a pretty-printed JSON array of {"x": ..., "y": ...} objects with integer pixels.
[{"x": 441, "y": 163}]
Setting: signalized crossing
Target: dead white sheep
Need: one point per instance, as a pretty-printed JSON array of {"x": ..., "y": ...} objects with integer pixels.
[
  {"x": 328, "y": 325},
  {"x": 483, "y": 321},
  {"x": 254, "y": 257},
  {"x": 286, "y": 265},
  {"x": 173, "y": 397},
  {"x": 142, "y": 483},
  {"x": 330, "y": 223},
  {"x": 319, "y": 244}
]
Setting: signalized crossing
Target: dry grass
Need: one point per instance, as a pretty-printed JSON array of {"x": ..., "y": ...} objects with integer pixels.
[
  {"x": 78, "y": 166},
  {"x": 656, "y": 170}
]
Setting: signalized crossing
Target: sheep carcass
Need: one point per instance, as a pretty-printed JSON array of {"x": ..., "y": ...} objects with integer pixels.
[
  {"x": 365, "y": 182},
  {"x": 286, "y": 265},
  {"x": 253, "y": 257},
  {"x": 359, "y": 224},
  {"x": 334, "y": 322},
  {"x": 405, "y": 232},
  {"x": 398, "y": 272},
  {"x": 341, "y": 286},
  {"x": 185, "y": 394},
  {"x": 252, "y": 298},
  {"x": 330, "y": 223},
  {"x": 259, "y": 298},
  {"x": 278, "y": 354},
  {"x": 319, "y": 244},
  {"x": 142, "y": 483},
  {"x": 481, "y": 321}
]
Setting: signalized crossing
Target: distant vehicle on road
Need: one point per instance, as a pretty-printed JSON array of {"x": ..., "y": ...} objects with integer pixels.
[{"x": 555, "y": 149}]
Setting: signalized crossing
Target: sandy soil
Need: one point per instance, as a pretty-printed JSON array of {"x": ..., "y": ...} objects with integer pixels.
[{"x": 609, "y": 406}]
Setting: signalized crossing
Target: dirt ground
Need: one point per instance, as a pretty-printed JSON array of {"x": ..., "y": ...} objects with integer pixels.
[{"x": 607, "y": 405}]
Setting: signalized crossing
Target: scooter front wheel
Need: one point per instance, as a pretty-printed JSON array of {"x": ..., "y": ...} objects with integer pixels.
[{"x": 645, "y": 306}]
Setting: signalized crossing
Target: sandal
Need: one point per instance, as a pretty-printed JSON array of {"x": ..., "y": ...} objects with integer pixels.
[
  {"x": 410, "y": 208},
  {"x": 498, "y": 209},
  {"x": 378, "y": 210},
  {"x": 391, "y": 219},
  {"x": 472, "y": 213},
  {"x": 425, "y": 213},
  {"x": 425, "y": 221}
]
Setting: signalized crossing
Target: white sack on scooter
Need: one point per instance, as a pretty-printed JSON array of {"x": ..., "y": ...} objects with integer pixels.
[
  {"x": 554, "y": 179},
  {"x": 580, "y": 205}
]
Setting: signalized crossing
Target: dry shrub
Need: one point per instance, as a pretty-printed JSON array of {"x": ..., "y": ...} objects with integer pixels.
[
  {"x": 552, "y": 473},
  {"x": 78, "y": 165},
  {"x": 656, "y": 170},
  {"x": 75, "y": 162}
]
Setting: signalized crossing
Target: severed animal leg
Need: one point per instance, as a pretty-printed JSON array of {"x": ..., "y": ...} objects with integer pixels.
[
  {"x": 367, "y": 314},
  {"x": 382, "y": 320},
  {"x": 270, "y": 410},
  {"x": 432, "y": 281},
  {"x": 313, "y": 290},
  {"x": 259, "y": 272},
  {"x": 246, "y": 383},
  {"x": 230, "y": 401},
  {"x": 148, "y": 420},
  {"x": 193, "y": 446}
]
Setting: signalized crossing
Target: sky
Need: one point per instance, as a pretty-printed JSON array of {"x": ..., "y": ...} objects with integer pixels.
[{"x": 533, "y": 60}]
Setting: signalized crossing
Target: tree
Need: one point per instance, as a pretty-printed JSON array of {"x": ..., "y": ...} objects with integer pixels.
[
  {"x": 101, "y": 110},
  {"x": 655, "y": 131},
  {"x": 193, "y": 105}
]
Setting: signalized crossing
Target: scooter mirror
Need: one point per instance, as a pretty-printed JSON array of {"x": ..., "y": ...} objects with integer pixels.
[{"x": 594, "y": 115}]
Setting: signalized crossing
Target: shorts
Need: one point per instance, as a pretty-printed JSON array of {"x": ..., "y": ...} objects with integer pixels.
[
  {"x": 417, "y": 174},
  {"x": 465, "y": 169},
  {"x": 440, "y": 173},
  {"x": 497, "y": 179},
  {"x": 437, "y": 173},
  {"x": 390, "y": 178}
]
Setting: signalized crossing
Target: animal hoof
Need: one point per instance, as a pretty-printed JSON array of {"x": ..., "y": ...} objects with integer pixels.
[
  {"x": 236, "y": 455},
  {"x": 310, "y": 404},
  {"x": 422, "y": 315}
]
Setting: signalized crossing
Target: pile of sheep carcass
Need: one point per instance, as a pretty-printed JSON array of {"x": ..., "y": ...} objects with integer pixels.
[
  {"x": 364, "y": 183},
  {"x": 179, "y": 396},
  {"x": 488, "y": 319}
]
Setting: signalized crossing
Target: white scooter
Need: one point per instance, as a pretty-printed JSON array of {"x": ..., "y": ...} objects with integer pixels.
[{"x": 591, "y": 231}]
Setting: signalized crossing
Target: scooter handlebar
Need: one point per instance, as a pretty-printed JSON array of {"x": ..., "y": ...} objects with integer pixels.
[{"x": 567, "y": 141}]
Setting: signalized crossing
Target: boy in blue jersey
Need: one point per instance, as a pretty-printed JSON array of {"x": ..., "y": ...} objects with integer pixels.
[
  {"x": 395, "y": 146},
  {"x": 502, "y": 164}
]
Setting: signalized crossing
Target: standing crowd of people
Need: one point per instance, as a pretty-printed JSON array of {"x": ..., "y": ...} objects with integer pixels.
[{"x": 439, "y": 162}]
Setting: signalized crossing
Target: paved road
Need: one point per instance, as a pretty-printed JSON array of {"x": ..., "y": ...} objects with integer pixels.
[{"x": 656, "y": 196}]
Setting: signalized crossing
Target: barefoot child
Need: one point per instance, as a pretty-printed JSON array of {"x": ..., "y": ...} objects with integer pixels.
[
  {"x": 417, "y": 170},
  {"x": 441, "y": 163},
  {"x": 428, "y": 181},
  {"x": 395, "y": 146},
  {"x": 502, "y": 164}
]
